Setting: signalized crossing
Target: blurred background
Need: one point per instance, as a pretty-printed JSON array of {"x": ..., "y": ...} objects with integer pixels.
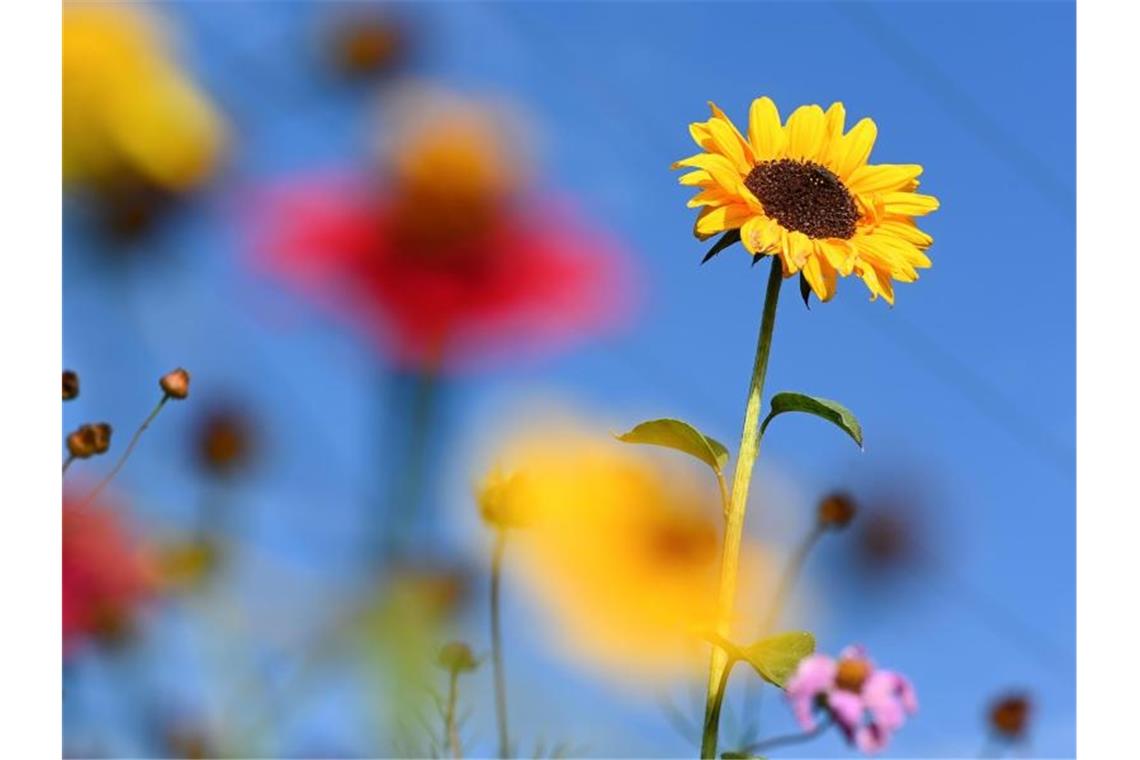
[{"x": 211, "y": 148}]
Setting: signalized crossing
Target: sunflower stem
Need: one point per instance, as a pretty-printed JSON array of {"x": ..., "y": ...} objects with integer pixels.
[
  {"x": 734, "y": 522},
  {"x": 497, "y": 643}
]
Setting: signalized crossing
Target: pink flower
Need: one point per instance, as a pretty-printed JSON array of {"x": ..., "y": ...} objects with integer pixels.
[{"x": 867, "y": 703}]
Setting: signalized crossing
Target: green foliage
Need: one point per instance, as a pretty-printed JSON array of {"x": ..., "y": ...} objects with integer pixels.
[
  {"x": 679, "y": 435},
  {"x": 776, "y": 658},
  {"x": 826, "y": 409}
]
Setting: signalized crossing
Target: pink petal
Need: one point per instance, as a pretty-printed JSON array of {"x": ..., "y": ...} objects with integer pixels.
[
  {"x": 871, "y": 739},
  {"x": 847, "y": 709},
  {"x": 815, "y": 674},
  {"x": 880, "y": 693}
]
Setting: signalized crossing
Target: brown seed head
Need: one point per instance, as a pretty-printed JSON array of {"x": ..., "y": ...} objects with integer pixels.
[
  {"x": 89, "y": 440},
  {"x": 836, "y": 511},
  {"x": 70, "y": 385},
  {"x": 1009, "y": 715},
  {"x": 224, "y": 442},
  {"x": 851, "y": 674},
  {"x": 176, "y": 383},
  {"x": 365, "y": 47}
]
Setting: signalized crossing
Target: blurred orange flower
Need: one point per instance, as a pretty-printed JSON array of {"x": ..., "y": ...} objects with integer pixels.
[
  {"x": 443, "y": 254},
  {"x": 106, "y": 575},
  {"x": 129, "y": 113}
]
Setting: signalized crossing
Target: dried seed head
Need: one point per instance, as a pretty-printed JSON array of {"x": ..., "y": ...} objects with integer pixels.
[
  {"x": 89, "y": 440},
  {"x": 368, "y": 46},
  {"x": 456, "y": 657},
  {"x": 836, "y": 511},
  {"x": 102, "y": 437},
  {"x": 176, "y": 383},
  {"x": 1009, "y": 715},
  {"x": 70, "y": 385}
]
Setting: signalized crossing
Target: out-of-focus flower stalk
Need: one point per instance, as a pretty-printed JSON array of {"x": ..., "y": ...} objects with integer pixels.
[
  {"x": 734, "y": 520},
  {"x": 497, "y": 641}
]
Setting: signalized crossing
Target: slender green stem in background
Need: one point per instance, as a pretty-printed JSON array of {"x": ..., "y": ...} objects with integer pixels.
[
  {"x": 497, "y": 642},
  {"x": 734, "y": 522},
  {"x": 783, "y": 740},
  {"x": 67, "y": 462},
  {"x": 788, "y": 579},
  {"x": 127, "y": 452},
  {"x": 449, "y": 716}
]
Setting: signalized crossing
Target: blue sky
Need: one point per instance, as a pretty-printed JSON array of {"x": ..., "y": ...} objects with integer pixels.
[{"x": 965, "y": 388}]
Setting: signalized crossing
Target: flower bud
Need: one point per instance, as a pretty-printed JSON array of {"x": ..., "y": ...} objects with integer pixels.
[
  {"x": 836, "y": 511},
  {"x": 176, "y": 383},
  {"x": 1009, "y": 715},
  {"x": 70, "y": 385},
  {"x": 500, "y": 501},
  {"x": 456, "y": 657},
  {"x": 89, "y": 440}
]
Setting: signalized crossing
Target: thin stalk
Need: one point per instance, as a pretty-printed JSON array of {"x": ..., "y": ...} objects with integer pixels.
[
  {"x": 790, "y": 576},
  {"x": 127, "y": 452},
  {"x": 785, "y": 739},
  {"x": 449, "y": 716},
  {"x": 497, "y": 643},
  {"x": 734, "y": 520},
  {"x": 67, "y": 462}
]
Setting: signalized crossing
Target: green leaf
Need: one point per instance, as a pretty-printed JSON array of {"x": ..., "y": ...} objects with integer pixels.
[
  {"x": 777, "y": 657},
  {"x": 805, "y": 291},
  {"x": 740, "y": 756},
  {"x": 679, "y": 435},
  {"x": 729, "y": 238},
  {"x": 832, "y": 411}
]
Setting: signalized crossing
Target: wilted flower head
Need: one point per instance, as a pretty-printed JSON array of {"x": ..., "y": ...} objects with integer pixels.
[
  {"x": 868, "y": 703},
  {"x": 803, "y": 191},
  {"x": 440, "y": 252},
  {"x": 621, "y": 549},
  {"x": 129, "y": 113},
  {"x": 106, "y": 575},
  {"x": 176, "y": 383}
]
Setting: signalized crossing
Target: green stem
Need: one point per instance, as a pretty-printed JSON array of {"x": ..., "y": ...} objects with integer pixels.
[
  {"x": 127, "y": 452},
  {"x": 67, "y": 462},
  {"x": 497, "y": 642},
  {"x": 734, "y": 522},
  {"x": 449, "y": 717}
]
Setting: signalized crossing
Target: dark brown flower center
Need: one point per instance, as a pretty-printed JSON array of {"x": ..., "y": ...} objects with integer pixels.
[
  {"x": 851, "y": 674},
  {"x": 804, "y": 196}
]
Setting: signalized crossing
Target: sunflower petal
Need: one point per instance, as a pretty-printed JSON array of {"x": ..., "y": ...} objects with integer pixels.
[
  {"x": 720, "y": 168},
  {"x": 856, "y": 148},
  {"x": 883, "y": 178},
  {"x": 764, "y": 130},
  {"x": 806, "y": 131},
  {"x": 908, "y": 204},
  {"x": 713, "y": 221}
]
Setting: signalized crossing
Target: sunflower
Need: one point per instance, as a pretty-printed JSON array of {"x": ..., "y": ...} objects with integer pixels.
[{"x": 803, "y": 190}]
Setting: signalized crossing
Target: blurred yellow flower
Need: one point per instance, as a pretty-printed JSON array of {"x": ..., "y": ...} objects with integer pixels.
[
  {"x": 127, "y": 109},
  {"x": 621, "y": 549},
  {"x": 804, "y": 191}
]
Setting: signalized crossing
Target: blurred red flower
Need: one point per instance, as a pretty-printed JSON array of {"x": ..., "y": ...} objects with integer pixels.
[
  {"x": 439, "y": 255},
  {"x": 105, "y": 574}
]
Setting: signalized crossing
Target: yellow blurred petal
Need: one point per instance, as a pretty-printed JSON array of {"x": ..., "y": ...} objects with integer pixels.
[
  {"x": 806, "y": 132},
  {"x": 857, "y": 145},
  {"x": 765, "y": 131}
]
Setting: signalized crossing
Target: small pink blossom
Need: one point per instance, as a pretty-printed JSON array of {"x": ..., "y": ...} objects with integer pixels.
[{"x": 868, "y": 704}]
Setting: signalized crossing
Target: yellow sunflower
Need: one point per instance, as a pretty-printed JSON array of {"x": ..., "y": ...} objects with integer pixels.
[{"x": 803, "y": 190}]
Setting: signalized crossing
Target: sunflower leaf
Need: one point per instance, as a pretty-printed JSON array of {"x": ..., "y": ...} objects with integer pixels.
[
  {"x": 805, "y": 291},
  {"x": 727, "y": 239},
  {"x": 679, "y": 435},
  {"x": 776, "y": 658},
  {"x": 832, "y": 411}
]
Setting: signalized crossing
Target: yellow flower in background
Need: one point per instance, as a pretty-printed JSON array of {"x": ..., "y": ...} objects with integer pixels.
[
  {"x": 621, "y": 549},
  {"x": 127, "y": 109},
  {"x": 803, "y": 190}
]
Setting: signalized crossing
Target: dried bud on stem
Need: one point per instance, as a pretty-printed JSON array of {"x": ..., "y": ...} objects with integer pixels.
[
  {"x": 836, "y": 511},
  {"x": 1009, "y": 716},
  {"x": 70, "y": 385},
  {"x": 456, "y": 657},
  {"x": 89, "y": 440},
  {"x": 176, "y": 383}
]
